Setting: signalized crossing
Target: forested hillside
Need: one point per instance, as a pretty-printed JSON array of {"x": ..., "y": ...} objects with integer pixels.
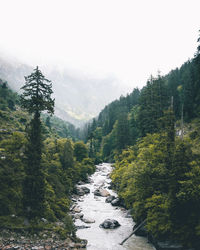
[
  {"x": 153, "y": 137},
  {"x": 63, "y": 161},
  {"x": 13, "y": 118},
  {"x": 124, "y": 121}
]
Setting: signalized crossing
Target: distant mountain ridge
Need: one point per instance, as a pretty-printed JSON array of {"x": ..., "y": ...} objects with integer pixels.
[{"x": 78, "y": 97}]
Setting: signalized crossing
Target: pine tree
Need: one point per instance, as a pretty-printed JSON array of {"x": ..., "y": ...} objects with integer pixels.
[
  {"x": 122, "y": 131},
  {"x": 35, "y": 99}
]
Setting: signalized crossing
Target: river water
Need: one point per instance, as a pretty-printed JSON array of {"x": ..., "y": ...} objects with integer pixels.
[{"x": 95, "y": 207}]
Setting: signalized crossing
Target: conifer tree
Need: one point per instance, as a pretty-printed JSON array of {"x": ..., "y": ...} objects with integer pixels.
[{"x": 35, "y": 99}]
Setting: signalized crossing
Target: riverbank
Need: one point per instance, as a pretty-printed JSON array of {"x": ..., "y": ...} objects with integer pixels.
[{"x": 45, "y": 240}]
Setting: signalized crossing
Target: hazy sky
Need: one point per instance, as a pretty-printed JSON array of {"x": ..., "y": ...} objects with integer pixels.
[{"x": 126, "y": 39}]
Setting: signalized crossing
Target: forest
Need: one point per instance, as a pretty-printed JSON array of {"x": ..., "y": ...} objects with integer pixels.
[
  {"x": 152, "y": 136},
  {"x": 38, "y": 168}
]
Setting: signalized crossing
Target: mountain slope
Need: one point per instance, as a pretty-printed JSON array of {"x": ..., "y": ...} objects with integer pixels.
[{"x": 78, "y": 97}]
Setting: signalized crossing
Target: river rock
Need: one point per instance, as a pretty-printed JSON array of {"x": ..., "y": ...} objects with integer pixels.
[
  {"x": 110, "y": 198},
  {"x": 116, "y": 202},
  {"x": 85, "y": 190},
  {"x": 101, "y": 192},
  {"x": 87, "y": 180},
  {"x": 97, "y": 192},
  {"x": 88, "y": 220},
  {"x": 104, "y": 193},
  {"x": 79, "y": 191},
  {"x": 82, "y": 227},
  {"x": 109, "y": 224},
  {"x": 78, "y": 216},
  {"x": 82, "y": 190},
  {"x": 77, "y": 210},
  {"x": 81, "y": 183}
]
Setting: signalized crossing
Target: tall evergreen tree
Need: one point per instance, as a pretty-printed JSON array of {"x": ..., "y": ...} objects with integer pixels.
[{"x": 35, "y": 99}]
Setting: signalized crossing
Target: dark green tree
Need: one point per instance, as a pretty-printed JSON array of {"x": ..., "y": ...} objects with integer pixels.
[
  {"x": 80, "y": 151},
  {"x": 122, "y": 131},
  {"x": 35, "y": 99}
]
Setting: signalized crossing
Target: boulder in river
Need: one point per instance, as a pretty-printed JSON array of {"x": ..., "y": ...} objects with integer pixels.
[
  {"x": 97, "y": 192},
  {"x": 82, "y": 190},
  {"x": 88, "y": 220},
  {"x": 116, "y": 202},
  {"x": 109, "y": 224},
  {"x": 76, "y": 210},
  {"x": 110, "y": 198},
  {"x": 78, "y": 216},
  {"x": 85, "y": 190},
  {"x": 101, "y": 192},
  {"x": 104, "y": 193}
]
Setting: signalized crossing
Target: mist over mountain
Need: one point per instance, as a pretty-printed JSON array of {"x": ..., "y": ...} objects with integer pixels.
[{"x": 78, "y": 97}]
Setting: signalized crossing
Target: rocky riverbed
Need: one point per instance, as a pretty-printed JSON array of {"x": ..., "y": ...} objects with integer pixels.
[{"x": 10, "y": 240}]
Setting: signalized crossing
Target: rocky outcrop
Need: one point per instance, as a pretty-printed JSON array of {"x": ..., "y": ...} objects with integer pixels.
[{"x": 109, "y": 224}]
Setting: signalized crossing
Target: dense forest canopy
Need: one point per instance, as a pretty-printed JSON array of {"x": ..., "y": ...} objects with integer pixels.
[{"x": 131, "y": 117}]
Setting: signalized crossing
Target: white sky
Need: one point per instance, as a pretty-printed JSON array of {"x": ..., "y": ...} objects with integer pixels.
[{"x": 127, "y": 39}]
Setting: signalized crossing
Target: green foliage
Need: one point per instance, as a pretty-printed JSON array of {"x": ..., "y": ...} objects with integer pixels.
[
  {"x": 32, "y": 168},
  {"x": 165, "y": 192},
  {"x": 58, "y": 128},
  {"x": 35, "y": 99},
  {"x": 37, "y": 93},
  {"x": 33, "y": 187},
  {"x": 86, "y": 168},
  {"x": 11, "y": 173},
  {"x": 153, "y": 100},
  {"x": 80, "y": 151},
  {"x": 8, "y": 99},
  {"x": 108, "y": 146},
  {"x": 68, "y": 225},
  {"x": 62, "y": 173}
]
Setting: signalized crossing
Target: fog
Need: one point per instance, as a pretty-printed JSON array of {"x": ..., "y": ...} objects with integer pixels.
[{"x": 97, "y": 50}]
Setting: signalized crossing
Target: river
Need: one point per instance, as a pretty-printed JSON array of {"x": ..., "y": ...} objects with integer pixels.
[{"x": 95, "y": 207}]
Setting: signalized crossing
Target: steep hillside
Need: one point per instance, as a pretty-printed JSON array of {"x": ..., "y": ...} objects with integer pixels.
[
  {"x": 13, "y": 118},
  {"x": 141, "y": 111}
]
